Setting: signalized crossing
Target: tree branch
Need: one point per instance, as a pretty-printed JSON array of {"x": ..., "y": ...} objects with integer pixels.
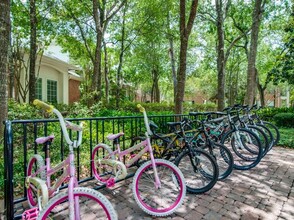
[
  {"x": 81, "y": 30},
  {"x": 111, "y": 13},
  {"x": 192, "y": 16}
]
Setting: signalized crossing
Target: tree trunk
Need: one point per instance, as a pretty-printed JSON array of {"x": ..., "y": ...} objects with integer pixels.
[
  {"x": 261, "y": 90},
  {"x": 4, "y": 48},
  {"x": 33, "y": 51},
  {"x": 173, "y": 65},
  {"x": 231, "y": 89},
  {"x": 121, "y": 55},
  {"x": 185, "y": 31},
  {"x": 96, "y": 83},
  {"x": 106, "y": 72},
  {"x": 261, "y": 94},
  {"x": 172, "y": 57},
  {"x": 220, "y": 56},
  {"x": 101, "y": 19},
  {"x": 155, "y": 91},
  {"x": 251, "y": 73}
]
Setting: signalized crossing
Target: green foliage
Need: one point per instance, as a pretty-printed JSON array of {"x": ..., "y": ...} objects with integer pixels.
[
  {"x": 284, "y": 119},
  {"x": 283, "y": 70},
  {"x": 269, "y": 113},
  {"x": 17, "y": 111},
  {"x": 287, "y": 137}
]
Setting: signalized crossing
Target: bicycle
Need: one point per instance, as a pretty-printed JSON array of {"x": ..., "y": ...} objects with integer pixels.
[
  {"x": 76, "y": 200},
  {"x": 200, "y": 138},
  {"x": 263, "y": 133},
  {"x": 271, "y": 130},
  {"x": 201, "y": 174},
  {"x": 244, "y": 144},
  {"x": 158, "y": 185}
]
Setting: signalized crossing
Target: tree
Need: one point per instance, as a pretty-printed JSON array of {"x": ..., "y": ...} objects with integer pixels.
[
  {"x": 33, "y": 51},
  {"x": 146, "y": 64},
  {"x": 84, "y": 28},
  {"x": 283, "y": 70},
  {"x": 185, "y": 31},
  {"x": 251, "y": 69},
  {"x": 227, "y": 36},
  {"x": 221, "y": 52},
  {"x": 32, "y": 31},
  {"x": 121, "y": 56},
  {"x": 4, "y": 48}
]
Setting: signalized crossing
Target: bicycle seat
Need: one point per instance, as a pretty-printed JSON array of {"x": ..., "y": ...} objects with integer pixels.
[
  {"x": 42, "y": 140},
  {"x": 114, "y": 136},
  {"x": 174, "y": 124}
]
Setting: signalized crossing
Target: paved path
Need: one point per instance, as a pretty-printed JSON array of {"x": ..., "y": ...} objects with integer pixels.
[{"x": 264, "y": 192}]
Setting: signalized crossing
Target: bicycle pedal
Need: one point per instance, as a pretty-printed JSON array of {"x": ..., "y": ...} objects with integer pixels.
[
  {"x": 110, "y": 183},
  {"x": 30, "y": 214}
]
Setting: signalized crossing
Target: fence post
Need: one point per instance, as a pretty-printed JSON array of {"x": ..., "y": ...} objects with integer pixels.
[{"x": 8, "y": 171}]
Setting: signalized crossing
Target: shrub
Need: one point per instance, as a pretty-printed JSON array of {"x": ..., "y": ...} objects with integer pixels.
[
  {"x": 287, "y": 137},
  {"x": 284, "y": 119},
  {"x": 268, "y": 114}
]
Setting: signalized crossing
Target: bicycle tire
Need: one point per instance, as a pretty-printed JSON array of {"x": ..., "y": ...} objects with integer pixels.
[
  {"x": 243, "y": 159},
  {"x": 34, "y": 164},
  {"x": 101, "y": 172},
  {"x": 269, "y": 135},
  {"x": 223, "y": 158},
  {"x": 164, "y": 200},
  {"x": 201, "y": 178},
  {"x": 262, "y": 138},
  {"x": 275, "y": 131},
  {"x": 96, "y": 206}
]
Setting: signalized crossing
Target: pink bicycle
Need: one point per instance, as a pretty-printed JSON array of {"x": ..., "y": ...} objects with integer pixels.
[
  {"x": 74, "y": 203},
  {"x": 158, "y": 185}
]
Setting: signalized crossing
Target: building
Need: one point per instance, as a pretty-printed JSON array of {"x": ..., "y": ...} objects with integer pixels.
[{"x": 57, "y": 81}]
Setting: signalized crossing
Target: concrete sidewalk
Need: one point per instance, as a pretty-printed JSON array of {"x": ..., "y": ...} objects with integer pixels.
[{"x": 264, "y": 192}]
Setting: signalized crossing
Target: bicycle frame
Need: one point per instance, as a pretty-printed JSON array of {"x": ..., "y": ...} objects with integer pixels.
[
  {"x": 145, "y": 144},
  {"x": 68, "y": 172},
  {"x": 121, "y": 154},
  {"x": 146, "y": 147}
]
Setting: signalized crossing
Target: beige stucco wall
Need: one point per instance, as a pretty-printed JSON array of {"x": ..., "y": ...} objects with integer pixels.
[
  {"x": 57, "y": 70},
  {"x": 50, "y": 73}
]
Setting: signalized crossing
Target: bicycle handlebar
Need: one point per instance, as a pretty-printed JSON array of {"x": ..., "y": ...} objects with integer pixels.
[
  {"x": 43, "y": 105},
  {"x": 142, "y": 109},
  {"x": 63, "y": 123}
]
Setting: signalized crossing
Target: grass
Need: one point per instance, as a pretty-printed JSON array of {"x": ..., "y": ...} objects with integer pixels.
[{"x": 287, "y": 137}]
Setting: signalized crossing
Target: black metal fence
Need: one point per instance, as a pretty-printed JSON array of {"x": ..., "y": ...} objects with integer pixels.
[{"x": 19, "y": 146}]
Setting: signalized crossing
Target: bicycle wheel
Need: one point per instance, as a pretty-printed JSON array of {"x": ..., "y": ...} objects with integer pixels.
[
  {"x": 262, "y": 138},
  {"x": 91, "y": 205},
  {"x": 35, "y": 163},
  {"x": 269, "y": 135},
  {"x": 168, "y": 197},
  {"x": 244, "y": 146},
  {"x": 102, "y": 172},
  {"x": 200, "y": 170},
  {"x": 223, "y": 158},
  {"x": 275, "y": 131}
]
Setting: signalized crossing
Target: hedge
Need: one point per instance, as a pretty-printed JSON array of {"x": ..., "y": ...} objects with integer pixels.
[{"x": 284, "y": 120}]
